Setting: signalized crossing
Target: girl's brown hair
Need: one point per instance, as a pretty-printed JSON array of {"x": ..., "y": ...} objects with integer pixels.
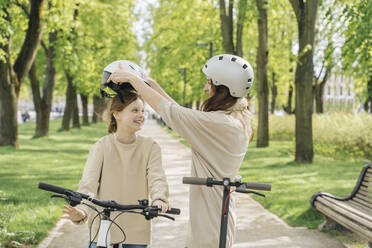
[
  {"x": 129, "y": 95},
  {"x": 222, "y": 100}
]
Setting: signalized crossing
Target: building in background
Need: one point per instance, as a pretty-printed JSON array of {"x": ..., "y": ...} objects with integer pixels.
[{"x": 339, "y": 94}]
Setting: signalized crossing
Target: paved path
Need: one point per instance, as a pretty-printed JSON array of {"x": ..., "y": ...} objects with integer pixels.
[{"x": 258, "y": 229}]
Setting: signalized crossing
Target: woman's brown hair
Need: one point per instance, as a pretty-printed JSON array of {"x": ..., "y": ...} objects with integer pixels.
[
  {"x": 129, "y": 95},
  {"x": 221, "y": 100}
]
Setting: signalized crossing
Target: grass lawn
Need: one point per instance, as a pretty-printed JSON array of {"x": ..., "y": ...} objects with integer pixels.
[{"x": 27, "y": 213}]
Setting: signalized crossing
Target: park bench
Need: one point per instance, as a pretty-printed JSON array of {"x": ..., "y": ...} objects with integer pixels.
[{"x": 353, "y": 212}]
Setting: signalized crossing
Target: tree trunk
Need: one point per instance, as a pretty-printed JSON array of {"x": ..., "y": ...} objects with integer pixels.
[
  {"x": 274, "y": 94},
  {"x": 319, "y": 92},
  {"x": 84, "y": 102},
  {"x": 288, "y": 108},
  {"x": 98, "y": 108},
  {"x": 43, "y": 105},
  {"x": 368, "y": 102},
  {"x": 227, "y": 26},
  {"x": 242, "y": 9},
  {"x": 262, "y": 84},
  {"x": 306, "y": 15},
  {"x": 69, "y": 106},
  {"x": 12, "y": 76},
  {"x": 75, "y": 110},
  {"x": 8, "y": 103}
]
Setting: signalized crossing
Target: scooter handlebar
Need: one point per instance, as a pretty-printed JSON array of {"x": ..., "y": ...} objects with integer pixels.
[
  {"x": 194, "y": 180},
  {"x": 258, "y": 186}
]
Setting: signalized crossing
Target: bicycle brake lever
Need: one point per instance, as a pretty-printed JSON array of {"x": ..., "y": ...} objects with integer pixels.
[
  {"x": 166, "y": 216},
  {"x": 243, "y": 190},
  {"x": 71, "y": 199},
  {"x": 59, "y": 196}
]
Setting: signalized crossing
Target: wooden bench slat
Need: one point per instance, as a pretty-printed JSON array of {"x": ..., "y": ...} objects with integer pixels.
[
  {"x": 364, "y": 183},
  {"x": 368, "y": 189},
  {"x": 365, "y": 192},
  {"x": 361, "y": 202},
  {"x": 367, "y": 199},
  {"x": 363, "y": 198},
  {"x": 344, "y": 221},
  {"x": 362, "y": 208},
  {"x": 347, "y": 211},
  {"x": 368, "y": 179}
]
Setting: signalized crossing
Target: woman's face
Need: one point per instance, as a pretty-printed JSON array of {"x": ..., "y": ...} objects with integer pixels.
[
  {"x": 208, "y": 88},
  {"x": 132, "y": 117}
]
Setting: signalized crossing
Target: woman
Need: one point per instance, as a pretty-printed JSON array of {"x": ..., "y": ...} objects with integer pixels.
[
  {"x": 218, "y": 136},
  {"x": 124, "y": 167}
]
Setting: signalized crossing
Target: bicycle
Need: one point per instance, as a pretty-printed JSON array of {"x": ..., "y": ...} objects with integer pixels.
[
  {"x": 240, "y": 187},
  {"x": 104, "y": 240}
]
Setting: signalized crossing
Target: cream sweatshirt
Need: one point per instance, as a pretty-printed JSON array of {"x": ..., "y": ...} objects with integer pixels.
[
  {"x": 218, "y": 142},
  {"x": 125, "y": 173}
]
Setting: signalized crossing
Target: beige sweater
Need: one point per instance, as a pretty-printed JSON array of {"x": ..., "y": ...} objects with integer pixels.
[
  {"x": 218, "y": 141},
  {"x": 125, "y": 173}
]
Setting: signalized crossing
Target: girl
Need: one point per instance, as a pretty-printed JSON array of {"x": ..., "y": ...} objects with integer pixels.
[
  {"x": 218, "y": 136},
  {"x": 124, "y": 167}
]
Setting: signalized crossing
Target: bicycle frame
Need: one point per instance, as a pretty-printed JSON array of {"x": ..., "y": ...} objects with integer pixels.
[{"x": 104, "y": 237}]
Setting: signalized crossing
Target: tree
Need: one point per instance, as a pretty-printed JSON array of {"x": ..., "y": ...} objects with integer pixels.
[
  {"x": 262, "y": 82},
  {"x": 174, "y": 43},
  {"x": 12, "y": 75},
  {"x": 357, "y": 50},
  {"x": 305, "y": 12},
  {"x": 43, "y": 98},
  {"x": 227, "y": 26}
]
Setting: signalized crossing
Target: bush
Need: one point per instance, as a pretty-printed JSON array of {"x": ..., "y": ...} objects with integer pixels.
[{"x": 335, "y": 135}]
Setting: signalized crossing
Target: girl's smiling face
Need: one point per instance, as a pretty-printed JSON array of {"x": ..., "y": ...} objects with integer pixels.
[{"x": 131, "y": 117}]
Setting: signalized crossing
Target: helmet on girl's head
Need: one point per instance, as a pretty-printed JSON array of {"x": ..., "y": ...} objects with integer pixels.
[
  {"x": 231, "y": 71},
  {"x": 114, "y": 66}
]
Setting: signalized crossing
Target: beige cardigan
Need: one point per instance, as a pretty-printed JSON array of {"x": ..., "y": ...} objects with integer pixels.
[
  {"x": 125, "y": 173},
  {"x": 218, "y": 144}
]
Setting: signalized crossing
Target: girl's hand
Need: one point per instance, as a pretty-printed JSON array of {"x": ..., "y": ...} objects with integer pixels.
[
  {"x": 72, "y": 213},
  {"x": 160, "y": 204}
]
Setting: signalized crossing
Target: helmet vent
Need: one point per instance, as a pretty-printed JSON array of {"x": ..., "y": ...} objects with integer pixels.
[
  {"x": 247, "y": 88},
  {"x": 233, "y": 59},
  {"x": 132, "y": 67},
  {"x": 206, "y": 65},
  {"x": 220, "y": 58},
  {"x": 249, "y": 79},
  {"x": 245, "y": 66}
]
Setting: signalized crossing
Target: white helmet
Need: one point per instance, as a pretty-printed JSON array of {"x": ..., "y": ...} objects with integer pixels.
[
  {"x": 128, "y": 65},
  {"x": 111, "y": 68},
  {"x": 231, "y": 71}
]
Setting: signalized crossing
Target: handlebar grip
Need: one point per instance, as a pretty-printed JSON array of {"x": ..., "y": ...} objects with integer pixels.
[
  {"x": 258, "y": 186},
  {"x": 194, "y": 180},
  {"x": 174, "y": 211},
  {"x": 52, "y": 188}
]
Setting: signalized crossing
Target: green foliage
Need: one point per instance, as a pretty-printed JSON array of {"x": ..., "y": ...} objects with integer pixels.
[
  {"x": 357, "y": 51},
  {"x": 178, "y": 27},
  {"x": 94, "y": 39},
  {"x": 336, "y": 135}
]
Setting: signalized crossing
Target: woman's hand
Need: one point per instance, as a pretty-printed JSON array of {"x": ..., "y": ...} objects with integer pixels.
[
  {"x": 122, "y": 76},
  {"x": 163, "y": 205},
  {"x": 73, "y": 214}
]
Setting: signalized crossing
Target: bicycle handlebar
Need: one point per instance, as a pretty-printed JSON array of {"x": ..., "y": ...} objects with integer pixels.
[
  {"x": 106, "y": 204},
  {"x": 210, "y": 181}
]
